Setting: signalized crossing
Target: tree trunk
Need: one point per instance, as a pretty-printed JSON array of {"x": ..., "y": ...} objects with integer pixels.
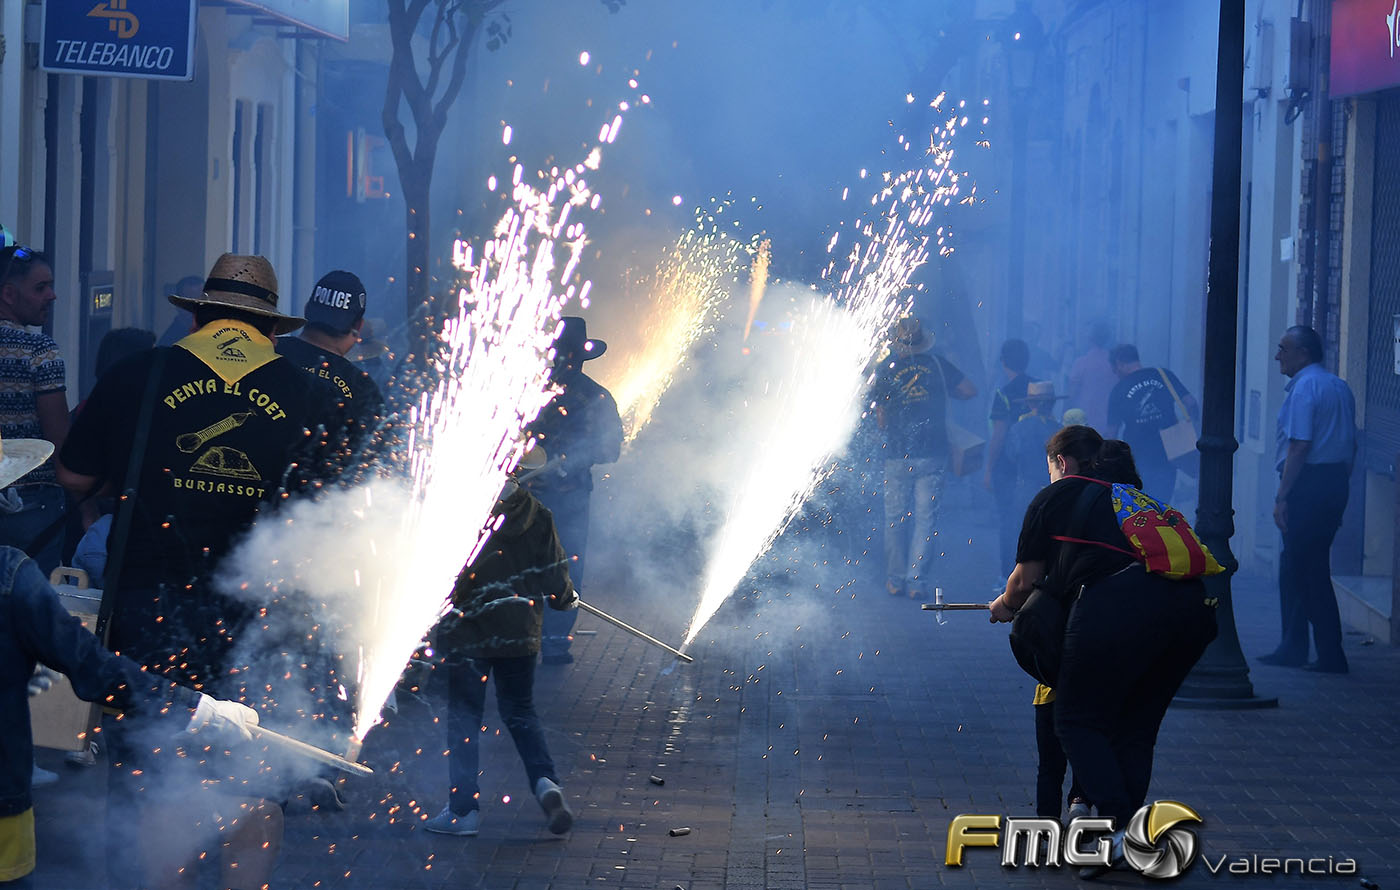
[{"x": 417, "y": 287}]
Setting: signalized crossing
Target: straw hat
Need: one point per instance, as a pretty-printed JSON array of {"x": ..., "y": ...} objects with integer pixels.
[
  {"x": 19, "y": 456},
  {"x": 243, "y": 282},
  {"x": 1041, "y": 390}
]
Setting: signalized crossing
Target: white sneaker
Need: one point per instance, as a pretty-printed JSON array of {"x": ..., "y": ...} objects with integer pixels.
[
  {"x": 448, "y": 822},
  {"x": 556, "y": 809}
]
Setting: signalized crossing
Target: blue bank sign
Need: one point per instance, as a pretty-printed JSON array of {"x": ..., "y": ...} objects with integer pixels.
[{"x": 119, "y": 38}]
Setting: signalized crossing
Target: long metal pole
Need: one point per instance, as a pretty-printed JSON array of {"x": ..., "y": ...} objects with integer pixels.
[
  {"x": 619, "y": 623},
  {"x": 320, "y": 755},
  {"x": 1221, "y": 678}
]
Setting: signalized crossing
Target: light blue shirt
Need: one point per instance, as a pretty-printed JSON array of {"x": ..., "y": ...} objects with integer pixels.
[{"x": 1318, "y": 407}]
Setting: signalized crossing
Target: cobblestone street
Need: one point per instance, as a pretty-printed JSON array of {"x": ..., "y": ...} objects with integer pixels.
[{"x": 823, "y": 741}]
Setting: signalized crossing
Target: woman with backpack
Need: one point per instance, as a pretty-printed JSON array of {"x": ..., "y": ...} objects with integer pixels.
[{"x": 1131, "y": 636}]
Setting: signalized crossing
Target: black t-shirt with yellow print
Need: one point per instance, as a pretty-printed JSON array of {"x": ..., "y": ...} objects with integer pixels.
[
  {"x": 355, "y": 394},
  {"x": 234, "y": 425}
]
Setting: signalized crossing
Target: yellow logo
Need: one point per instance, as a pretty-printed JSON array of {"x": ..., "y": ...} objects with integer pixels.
[{"x": 126, "y": 24}]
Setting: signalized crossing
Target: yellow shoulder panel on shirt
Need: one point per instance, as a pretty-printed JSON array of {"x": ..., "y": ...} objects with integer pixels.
[{"x": 230, "y": 348}]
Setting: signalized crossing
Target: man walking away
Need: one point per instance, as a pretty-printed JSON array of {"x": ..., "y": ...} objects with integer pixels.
[
  {"x": 1316, "y": 446},
  {"x": 232, "y": 427},
  {"x": 494, "y": 631},
  {"x": 999, "y": 476},
  {"x": 1139, "y": 408},
  {"x": 1091, "y": 379}
]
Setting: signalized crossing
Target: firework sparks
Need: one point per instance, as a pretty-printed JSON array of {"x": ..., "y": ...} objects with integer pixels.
[
  {"x": 382, "y": 558},
  {"x": 494, "y": 369},
  {"x": 816, "y": 402},
  {"x": 758, "y": 282},
  {"x": 690, "y": 285}
]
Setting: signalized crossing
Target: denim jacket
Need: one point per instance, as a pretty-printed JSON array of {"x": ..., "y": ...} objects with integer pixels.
[{"x": 35, "y": 628}]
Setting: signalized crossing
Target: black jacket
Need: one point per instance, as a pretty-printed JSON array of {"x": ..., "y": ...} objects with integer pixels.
[
  {"x": 498, "y": 601},
  {"x": 35, "y": 628}
]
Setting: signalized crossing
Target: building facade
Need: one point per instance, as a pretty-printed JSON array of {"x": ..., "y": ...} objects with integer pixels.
[{"x": 130, "y": 183}]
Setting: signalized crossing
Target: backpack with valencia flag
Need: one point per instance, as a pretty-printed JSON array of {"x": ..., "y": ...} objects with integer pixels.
[{"x": 1161, "y": 538}]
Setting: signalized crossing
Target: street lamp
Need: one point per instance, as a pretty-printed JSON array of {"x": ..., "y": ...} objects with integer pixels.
[
  {"x": 1022, "y": 39},
  {"x": 1221, "y": 678}
]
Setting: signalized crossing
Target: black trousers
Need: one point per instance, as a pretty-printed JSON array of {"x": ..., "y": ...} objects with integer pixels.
[
  {"x": 1130, "y": 641},
  {"x": 1306, "y": 596},
  {"x": 1050, "y": 771}
]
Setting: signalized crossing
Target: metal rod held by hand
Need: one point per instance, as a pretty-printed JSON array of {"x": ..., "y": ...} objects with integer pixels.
[
  {"x": 623, "y": 625},
  {"x": 320, "y": 755},
  {"x": 939, "y": 606}
]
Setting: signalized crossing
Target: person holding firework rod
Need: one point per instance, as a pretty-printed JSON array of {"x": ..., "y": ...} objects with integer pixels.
[
  {"x": 36, "y": 630},
  {"x": 494, "y": 629},
  {"x": 1135, "y": 624},
  {"x": 579, "y": 428}
]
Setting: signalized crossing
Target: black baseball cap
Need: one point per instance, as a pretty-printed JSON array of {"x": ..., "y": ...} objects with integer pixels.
[{"x": 337, "y": 302}]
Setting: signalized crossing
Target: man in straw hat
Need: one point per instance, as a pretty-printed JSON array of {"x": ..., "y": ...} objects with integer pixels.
[
  {"x": 911, "y": 395},
  {"x": 230, "y": 428},
  {"x": 578, "y": 429}
]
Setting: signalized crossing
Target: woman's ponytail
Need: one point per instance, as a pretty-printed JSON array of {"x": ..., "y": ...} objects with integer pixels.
[{"x": 1115, "y": 464}]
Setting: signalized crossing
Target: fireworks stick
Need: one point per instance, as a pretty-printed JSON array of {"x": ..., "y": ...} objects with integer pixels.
[
  {"x": 623, "y": 625},
  {"x": 939, "y": 606},
  {"x": 954, "y": 607},
  {"x": 320, "y": 755}
]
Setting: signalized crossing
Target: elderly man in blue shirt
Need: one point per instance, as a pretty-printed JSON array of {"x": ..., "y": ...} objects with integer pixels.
[{"x": 1315, "y": 451}]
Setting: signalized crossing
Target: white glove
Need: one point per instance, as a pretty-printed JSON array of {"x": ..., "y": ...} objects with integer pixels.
[
  {"x": 42, "y": 680},
  {"x": 227, "y": 719}
]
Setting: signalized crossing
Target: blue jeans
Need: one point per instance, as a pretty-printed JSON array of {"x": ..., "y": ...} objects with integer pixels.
[
  {"x": 466, "y": 703},
  {"x": 912, "y": 489},
  {"x": 44, "y": 504}
]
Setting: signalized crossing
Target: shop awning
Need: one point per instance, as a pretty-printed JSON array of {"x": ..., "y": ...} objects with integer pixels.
[{"x": 318, "y": 18}]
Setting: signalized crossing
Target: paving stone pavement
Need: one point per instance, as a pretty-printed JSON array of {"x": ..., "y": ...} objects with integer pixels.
[{"x": 823, "y": 739}]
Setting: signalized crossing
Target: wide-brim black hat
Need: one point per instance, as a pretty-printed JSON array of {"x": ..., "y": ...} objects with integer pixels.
[{"x": 572, "y": 341}]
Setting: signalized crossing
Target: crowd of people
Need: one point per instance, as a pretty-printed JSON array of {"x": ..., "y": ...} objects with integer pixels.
[
  {"x": 162, "y": 469},
  {"x": 1124, "y": 637},
  {"x": 179, "y": 448}
]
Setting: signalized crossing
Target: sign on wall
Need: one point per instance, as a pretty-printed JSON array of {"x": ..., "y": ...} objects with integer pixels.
[
  {"x": 119, "y": 38},
  {"x": 1365, "y": 47}
]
